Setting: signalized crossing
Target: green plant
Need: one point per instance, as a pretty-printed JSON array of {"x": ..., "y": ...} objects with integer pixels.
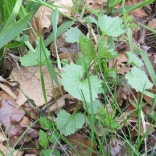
[
  {"x": 15, "y": 19},
  {"x": 89, "y": 79}
]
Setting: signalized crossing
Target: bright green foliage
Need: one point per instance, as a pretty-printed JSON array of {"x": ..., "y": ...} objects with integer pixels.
[
  {"x": 45, "y": 123},
  {"x": 91, "y": 19},
  {"x": 138, "y": 79},
  {"x": 53, "y": 137},
  {"x": 133, "y": 59},
  {"x": 72, "y": 35},
  {"x": 84, "y": 62},
  {"x": 111, "y": 26},
  {"x": 96, "y": 107},
  {"x": 48, "y": 152},
  {"x": 68, "y": 124},
  {"x": 104, "y": 51},
  {"x": 87, "y": 47},
  {"x": 111, "y": 72},
  {"x": 13, "y": 30},
  {"x": 111, "y": 123},
  {"x": 33, "y": 59},
  {"x": 43, "y": 139},
  {"x": 78, "y": 88}
]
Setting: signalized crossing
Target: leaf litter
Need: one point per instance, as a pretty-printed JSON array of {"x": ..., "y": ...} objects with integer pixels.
[{"x": 30, "y": 84}]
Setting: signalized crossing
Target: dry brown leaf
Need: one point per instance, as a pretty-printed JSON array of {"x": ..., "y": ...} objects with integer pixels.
[
  {"x": 42, "y": 18},
  {"x": 121, "y": 63},
  {"x": 65, "y": 50},
  {"x": 15, "y": 129},
  {"x": 9, "y": 110},
  {"x": 152, "y": 24},
  {"x": 30, "y": 134},
  {"x": 114, "y": 147},
  {"x": 6, "y": 151},
  {"x": 60, "y": 103},
  {"x": 5, "y": 81},
  {"x": 121, "y": 95},
  {"x": 30, "y": 84},
  {"x": 82, "y": 144},
  {"x": 4, "y": 95},
  {"x": 139, "y": 13},
  {"x": 8, "y": 90},
  {"x": 25, "y": 122},
  {"x": 96, "y": 4},
  {"x": 2, "y": 137},
  {"x": 66, "y": 6},
  {"x": 149, "y": 128}
]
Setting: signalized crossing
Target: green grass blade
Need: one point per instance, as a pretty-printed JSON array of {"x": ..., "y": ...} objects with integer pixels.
[
  {"x": 60, "y": 31},
  {"x": 13, "y": 14},
  {"x": 129, "y": 34},
  {"x": 55, "y": 23},
  {"x": 140, "y": 5},
  {"x": 149, "y": 66},
  {"x": 11, "y": 32},
  {"x": 152, "y": 30}
]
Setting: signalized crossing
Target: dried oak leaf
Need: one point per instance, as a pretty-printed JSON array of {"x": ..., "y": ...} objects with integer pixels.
[
  {"x": 30, "y": 84},
  {"x": 9, "y": 110}
]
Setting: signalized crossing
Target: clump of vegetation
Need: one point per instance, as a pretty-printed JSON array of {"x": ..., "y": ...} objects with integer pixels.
[{"x": 93, "y": 73}]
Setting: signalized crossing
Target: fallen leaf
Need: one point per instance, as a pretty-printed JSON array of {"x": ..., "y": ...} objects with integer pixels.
[
  {"x": 8, "y": 90},
  {"x": 2, "y": 137},
  {"x": 30, "y": 134},
  {"x": 30, "y": 84},
  {"x": 114, "y": 147},
  {"x": 82, "y": 144},
  {"x": 4, "y": 95},
  {"x": 7, "y": 151},
  {"x": 148, "y": 127},
  {"x": 25, "y": 122},
  {"x": 65, "y": 50},
  {"x": 138, "y": 12},
  {"x": 121, "y": 95},
  {"x": 152, "y": 24},
  {"x": 15, "y": 129},
  {"x": 42, "y": 18},
  {"x": 65, "y": 6},
  {"x": 9, "y": 110},
  {"x": 92, "y": 4},
  {"x": 59, "y": 104},
  {"x": 121, "y": 63}
]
